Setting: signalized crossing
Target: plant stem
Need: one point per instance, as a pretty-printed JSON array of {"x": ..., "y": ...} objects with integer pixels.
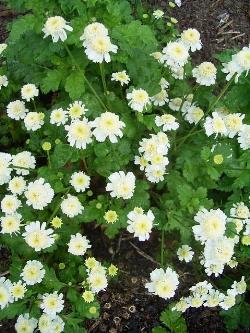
[
  {"x": 85, "y": 79},
  {"x": 59, "y": 204},
  {"x": 104, "y": 82},
  {"x": 162, "y": 248},
  {"x": 49, "y": 162},
  {"x": 211, "y": 106},
  {"x": 34, "y": 104}
]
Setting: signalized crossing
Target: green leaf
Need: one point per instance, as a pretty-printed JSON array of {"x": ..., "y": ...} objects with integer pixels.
[
  {"x": 174, "y": 321},
  {"x": 51, "y": 281},
  {"x": 52, "y": 80},
  {"x": 22, "y": 25},
  {"x": 159, "y": 329},
  {"x": 74, "y": 84},
  {"x": 62, "y": 155}
]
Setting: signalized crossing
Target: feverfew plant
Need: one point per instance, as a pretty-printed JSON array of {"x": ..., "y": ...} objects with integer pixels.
[{"x": 108, "y": 122}]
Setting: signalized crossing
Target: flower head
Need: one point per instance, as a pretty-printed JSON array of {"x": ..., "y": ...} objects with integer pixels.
[{"x": 55, "y": 27}]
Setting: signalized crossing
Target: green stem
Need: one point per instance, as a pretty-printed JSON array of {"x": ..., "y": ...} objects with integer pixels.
[
  {"x": 34, "y": 104},
  {"x": 104, "y": 82},
  {"x": 49, "y": 162},
  {"x": 211, "y": 106},
  {"x": 59, "y": 204},
  {"x": 162, "y": 248},
  {"x": 85, "y": 79}
]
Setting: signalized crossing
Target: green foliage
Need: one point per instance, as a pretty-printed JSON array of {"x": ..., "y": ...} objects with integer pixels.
[{"x": 174, "y": 322}]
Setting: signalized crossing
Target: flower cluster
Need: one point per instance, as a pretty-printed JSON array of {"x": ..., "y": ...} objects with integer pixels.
[
  {"x": 97, "y": 43},
  {"x": 153, "y": 158},
  {"x": 239, "y": 64},
  {"x": 204, "y": 294}
]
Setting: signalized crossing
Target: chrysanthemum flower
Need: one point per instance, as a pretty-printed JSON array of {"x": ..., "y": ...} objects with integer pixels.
[
  {"x": 80, "y": 181},
  {"x": 191, "y": 39},
  {"x": 25, "y": 324},
  {"x": 76, "y": 110},
  {"x": 78, "y": 245},
  {"x": 16, "y": 110},
  {"x": 175, "y": 54},
  {"x": 37, "y": 236},
  {"x": 140, "y": 224},
  {"x": 71, "y": 206},
  {"x": 121, "y": 185},
  {"x": 244, "y": 137},
  {"x": 185, "y": 253},
  {"x": 10, "y": 204},
  {"x": 58, "y": 117},
  {"x": 17, "y": 185},
  {"x": 205, "y": 74},
  {"x": 34, "y": 120},
  {"x": 138, "y": 99},
  {"x": 29, "y": 92},
  {"x": 52, "y": 303},
  {"x": 108, "y": 125},
  {"x": 39, "y": 194},
  {"x": 163, "y": 283},
  {"x": 3, "y": 81},
  {"x": 79, "y": 133},
  {"x": 55, "y": 27},
  {"x": 25, "y": 160},
  {"x": 121, "y": 77},
  {"x": 33, "y": 272},
  {"x": 10, "y": 224},
  {"x": 98, "y": 48},
  {"x": 167, "y": 121}
]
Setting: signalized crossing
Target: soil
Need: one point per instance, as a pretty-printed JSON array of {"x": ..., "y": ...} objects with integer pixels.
[
  {"x": 223, "y": 24},
  {"x": 126, "y": 306}
]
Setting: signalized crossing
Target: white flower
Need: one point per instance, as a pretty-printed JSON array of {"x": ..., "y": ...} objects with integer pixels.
[
  {"x": 177, "y": 72},
  {"x": 140, "y": 224},
  {"x": 240, "y": 210},
  {"x": 218, "y": 251},
  {"x": 158, "y": 14},
  {"x": 45, "y": 323},
  {"x": 5, "y": 170},
  {"x": 244, "y": 137},
  {"x": 201, "y": 289},
  {"x": 212, "y": 224},
  {"x": 233, "y": 122},
  {"x": 55, "y": 27},
  {"x": 52, "y": 303},
  {"x": 239, "y": 288},
  {"x": 205, "y": 73},
  {"x": 33, "y": 272},
  {"x": 78, "y": 245},
  {"x": 164, "y": 83},
  {"x": 39, "y": 194},
  {"x": 18, "y": 290},
  {"x": 191, "y": 39},
  {"x": 178, "y": 2},
  {"x": 228, "y": 301},
  {"x": 140, "y": 160},
  {"x": 138, "y": 99},
  {"x": 80, "y": 181},
  {"x": 121, "y": 77},
  {"x": 5, "y": 292},
  {"x": 79, "y": 133},
  {"x": 76, "y": 110},
  {"x": 167, "y": 121},
  {"x": 195, "y": 301},
  {"x": 58, "y": 117},
  {"x": 94, "y": 30},
  {"x": 37, "y": 236},
  {"x": 23, "y": 160},
  {"x": 240, "y": 63},
  {"x": 25, "y": 324},
  {"x": 175, "y": 104},
  {"x": 160, "y": 99},
  {"x": 71, "y": 206},
  {"x": 98, "y": 48},
  {"x": 158, "y": 56},
  {"x": 10, "y": 224},
  {"x": 97, "y": 279},
  {"x": 185, "y": 253},
  {"x": 175, "y": 54},
  {"x": 16, "y": 110},
  {"x": 155, "y": 173},
  {"x": 182, "y": 305},
  {"x": 215, "y": 125},
  {"x": 3, "y": 46},
  {"x": 3, "y": 81},
  {"x": 214, "y": 298},
  {"x": 108, "y": 125},
  {"x": 121, "y": 185},
  {"x": 231, "y": 68},
  {"x": 215, "y": 269},
  {"x": 29, "y": 91},
  {"x": 48, "y": 324},
  {"x": 17, "y": 185},
  {"x": 163, "y": 283},
  {"x": 193, "y": 114},
  {"x": 34, "y": 120},
  {"x": 57, "y": 325},
  {"x": 10, "y": 204}
]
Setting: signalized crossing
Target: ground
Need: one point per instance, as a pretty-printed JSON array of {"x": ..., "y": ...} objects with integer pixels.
[{"x": 126, "y": 306}]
